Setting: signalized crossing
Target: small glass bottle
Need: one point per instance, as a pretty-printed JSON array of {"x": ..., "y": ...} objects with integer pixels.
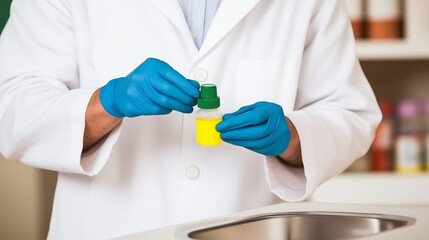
[
  {"x": 208, "y": 116},
  {"x": 425, "y": 129},
  {"x": 408, "y": 147},
  {"x": 384, "y": 19}
]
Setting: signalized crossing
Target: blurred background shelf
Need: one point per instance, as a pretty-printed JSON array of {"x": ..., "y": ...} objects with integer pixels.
[
  {"x": 392, "y": 49},
  {"x": 415, "y": 41},
  {"x": 396, "y": 69}
]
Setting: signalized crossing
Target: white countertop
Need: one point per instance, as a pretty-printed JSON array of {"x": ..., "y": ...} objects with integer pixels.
[{"x": 418, "y": 230}]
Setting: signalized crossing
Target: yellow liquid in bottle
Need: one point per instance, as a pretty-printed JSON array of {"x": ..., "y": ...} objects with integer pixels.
[{"x": 206, "y": 132}]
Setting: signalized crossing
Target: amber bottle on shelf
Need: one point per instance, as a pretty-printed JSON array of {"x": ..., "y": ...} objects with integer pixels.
[{"x": 384, "y": 19}]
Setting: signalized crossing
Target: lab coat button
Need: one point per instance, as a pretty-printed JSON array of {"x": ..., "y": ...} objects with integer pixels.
[
  {"x": 200, "y": 74},
  {"x": 192, "y": 172}
]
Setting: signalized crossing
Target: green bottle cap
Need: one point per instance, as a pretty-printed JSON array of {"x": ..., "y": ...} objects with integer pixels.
[{"x": 209, "y": 98}]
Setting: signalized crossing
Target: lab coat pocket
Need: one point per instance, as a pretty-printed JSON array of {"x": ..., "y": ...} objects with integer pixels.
[{"x": 271, "y": 80}]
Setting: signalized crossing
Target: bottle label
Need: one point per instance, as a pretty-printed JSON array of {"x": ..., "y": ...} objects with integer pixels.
[
  {"x": 427, "y": 152},
  {"x": 408, "y": 152}
]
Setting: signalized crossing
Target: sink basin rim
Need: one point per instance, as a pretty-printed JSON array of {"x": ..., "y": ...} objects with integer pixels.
[{"x": 185, "y": 233}]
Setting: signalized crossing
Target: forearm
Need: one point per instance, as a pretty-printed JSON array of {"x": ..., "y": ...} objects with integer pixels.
[
  {"x": 292, "y": 155},
  {"x": 98, "y": 122}
]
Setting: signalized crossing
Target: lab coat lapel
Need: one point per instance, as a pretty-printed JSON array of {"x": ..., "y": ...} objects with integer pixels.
[
  {"x": 230, "y": 12},
  {"x": 173, "y": 11}
]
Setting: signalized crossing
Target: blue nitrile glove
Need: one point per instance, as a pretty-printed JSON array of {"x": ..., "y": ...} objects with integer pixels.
[
  {"x": 153, "y": 88},
  {"x": 260, "y": 127}
]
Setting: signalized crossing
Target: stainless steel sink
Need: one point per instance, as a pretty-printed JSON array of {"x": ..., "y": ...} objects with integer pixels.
[{"x": 302, "y": 225}]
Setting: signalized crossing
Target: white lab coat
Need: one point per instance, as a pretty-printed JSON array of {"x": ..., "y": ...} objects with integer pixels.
[{"x": 149, "y": 172}]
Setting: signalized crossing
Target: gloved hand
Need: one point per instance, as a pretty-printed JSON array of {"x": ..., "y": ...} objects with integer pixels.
[
  {"x": 153, "y": 88},
  {"x": 260, "y": 127}
]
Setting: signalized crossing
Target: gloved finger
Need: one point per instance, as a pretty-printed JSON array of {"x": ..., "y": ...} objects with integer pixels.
[
  {"x": 171, "y": 103},
  {"x": 195, "y": 83},
  {"x": 248, "y": 133},
  {"x": 275, "y": 149},
  {"x": 270, "y": 146},
  {"x": 165, "y": 101},
  {"x": 163, "y": 86},
  {"x": 148, "y": 109},
  {"x": 171, "y": 75},
  {"x": 251, "y": 117},
  {"x": 255, "y": 144},
  {"x": 134, "y": 103},
  {"x": 239, "y": 111}
]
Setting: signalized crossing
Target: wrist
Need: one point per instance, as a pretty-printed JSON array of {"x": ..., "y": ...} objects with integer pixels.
[
  {"x": 98, "y": 122},
  {"x": 292, "y": 155}
]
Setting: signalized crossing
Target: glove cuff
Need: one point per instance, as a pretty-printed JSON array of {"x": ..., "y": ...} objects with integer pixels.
[{"x": 107, "y": 98}]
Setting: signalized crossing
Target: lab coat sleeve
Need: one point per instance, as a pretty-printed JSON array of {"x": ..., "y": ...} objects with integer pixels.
[
  {"x": 42, "y": 107},
  {"x": 335, "y": 112}
]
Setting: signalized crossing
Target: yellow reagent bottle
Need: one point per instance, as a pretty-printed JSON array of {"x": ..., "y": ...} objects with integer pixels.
[{"x": 208, "y": 116}]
